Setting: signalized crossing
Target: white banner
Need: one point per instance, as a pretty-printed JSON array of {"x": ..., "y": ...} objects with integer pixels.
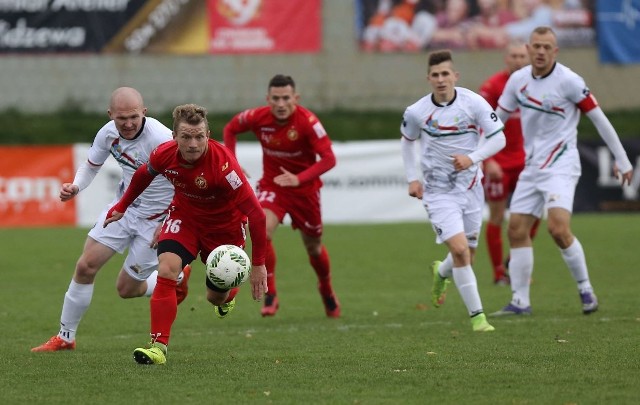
[{"x": 366, "y": 186}]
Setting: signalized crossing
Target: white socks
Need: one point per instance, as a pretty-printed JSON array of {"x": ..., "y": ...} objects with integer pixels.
[
  {"x": 520, "y": 270},
  {"x": 446, "y": 267},
  {"x": 151, "y": 283},
  {"x": 574, "y": 258},
  {"x": 465, "y": 280},
  {"x": 76, "y": 302}
]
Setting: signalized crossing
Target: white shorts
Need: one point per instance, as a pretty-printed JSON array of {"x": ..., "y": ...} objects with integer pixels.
[
  {"x": 535, "y": 191},
  {"x": 454, "y": 213},
  {"x": 133, "y": 233}
]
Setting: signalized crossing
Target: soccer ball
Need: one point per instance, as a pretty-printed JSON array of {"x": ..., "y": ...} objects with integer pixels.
[{"x": 228, "y": 266}]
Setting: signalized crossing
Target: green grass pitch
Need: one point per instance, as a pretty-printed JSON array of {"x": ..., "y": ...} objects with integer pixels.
[{"x": 390, "y": 346}]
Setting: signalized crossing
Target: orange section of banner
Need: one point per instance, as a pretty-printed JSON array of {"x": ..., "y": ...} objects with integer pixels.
[{"x": 30, "y": 181}]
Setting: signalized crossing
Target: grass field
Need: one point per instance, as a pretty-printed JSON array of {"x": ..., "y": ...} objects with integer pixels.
[{"x": 389, "y": 347}]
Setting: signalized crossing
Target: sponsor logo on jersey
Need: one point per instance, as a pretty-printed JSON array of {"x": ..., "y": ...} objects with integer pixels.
[
  {"x": 234, "y": 180},
  {"x": 320, "y": 131},
  {"x": 225, "y": 166}
]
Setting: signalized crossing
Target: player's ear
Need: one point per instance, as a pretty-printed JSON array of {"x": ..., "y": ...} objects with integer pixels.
[{"x": 173, "y": 134}]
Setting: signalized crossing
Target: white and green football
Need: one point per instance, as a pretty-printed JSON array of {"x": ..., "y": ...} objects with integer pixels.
[{"x": 228, "y": 266}]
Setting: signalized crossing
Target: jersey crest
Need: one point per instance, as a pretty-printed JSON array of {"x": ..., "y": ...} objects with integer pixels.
[
  {"x": 292, "y": 134},
  {"x": 201, "y": 182}
]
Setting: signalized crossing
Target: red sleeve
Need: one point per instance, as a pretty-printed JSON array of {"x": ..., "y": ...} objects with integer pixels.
[
  {"x": 489, "y": 93},
  {"x": 139, "y": 182},
  {"x": 257, "y": 228},
  {"x": 326, "y": 162},
  {"x": 229, "y": 138},
  {"x": 238, "y": 124}
]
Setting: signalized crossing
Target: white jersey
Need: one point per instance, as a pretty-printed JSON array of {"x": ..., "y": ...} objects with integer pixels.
[
  {"x": 550, "y": 111},
  {"x": 131, "y": 154},
  {"x": 446, "y": 130}
]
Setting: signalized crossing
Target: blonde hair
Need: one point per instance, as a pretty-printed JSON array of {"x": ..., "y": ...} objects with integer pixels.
[{"x": 192, "y": 114}]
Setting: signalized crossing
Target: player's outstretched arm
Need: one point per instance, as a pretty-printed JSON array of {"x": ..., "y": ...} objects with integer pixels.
[
  {"x": 610, "y": 137},
  {"x": 141, "y": 179},
  {"x": 258, "y": 231}
]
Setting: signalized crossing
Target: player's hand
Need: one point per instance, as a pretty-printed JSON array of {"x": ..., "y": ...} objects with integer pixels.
[
  {"x": 286, "y": 179},
  {"x": 492, "y": 170},
  {"x": 154, "y": 239},
  {"x": 461, "y": 162},
  {"x": 416, "y": 190},
  {"x": 112, "y": 216},
  {"x": 625, "y": 177},
  {"x": 68, "y": 191},
  {"x": 258, "y": 281}
]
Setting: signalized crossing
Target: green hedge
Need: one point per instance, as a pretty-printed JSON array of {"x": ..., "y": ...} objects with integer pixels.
[{"x": 72, "y": 126}]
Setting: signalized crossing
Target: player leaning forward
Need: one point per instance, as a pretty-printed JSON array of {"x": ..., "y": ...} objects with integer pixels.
[
  {"x": 550, "y": 97},
  {"x": 130, "y": 137},
  {"x": 448, "y": 123},
  {"x": 212, "y": 200}
]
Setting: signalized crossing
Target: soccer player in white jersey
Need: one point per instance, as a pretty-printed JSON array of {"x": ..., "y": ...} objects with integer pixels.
[
  {"x": 551, "y": 97},
  {"x": 448, "y": 124},
  {"x": 129, "y": 137}
]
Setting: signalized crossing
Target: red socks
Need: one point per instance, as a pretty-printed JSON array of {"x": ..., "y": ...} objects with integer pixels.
[
  {"x": 494, "y": 244},
  {"x": 164, "y": 308},
  {"x": 322, "y": 266},
  {"x": 270, "y": 264}
]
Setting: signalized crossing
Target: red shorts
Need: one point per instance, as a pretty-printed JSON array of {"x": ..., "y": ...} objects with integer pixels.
[
  {"x": 496, "y": 190},
  {"x": 197, "y": 236},
  {"x": 304, "y": 210}
]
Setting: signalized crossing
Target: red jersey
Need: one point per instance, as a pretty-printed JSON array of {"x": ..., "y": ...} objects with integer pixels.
[
  {"x": 210, "y": 188},
  {"x": 294, "y": 146},
  {"x": 512, "y": 156}
]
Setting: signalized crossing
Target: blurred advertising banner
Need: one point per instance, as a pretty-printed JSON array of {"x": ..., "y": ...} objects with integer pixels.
[
  {"x": 264, "y": 26},
  {"x": 159, "y": 26},
  {"x": 416, "y": 25},
  {"x": 598, "y": 189},
  {"x": 30, "y": 181},
  {"x": 618, "y": 24},
  {"x": 53, "y": 26},
  {"x": 367, "y": 186}
]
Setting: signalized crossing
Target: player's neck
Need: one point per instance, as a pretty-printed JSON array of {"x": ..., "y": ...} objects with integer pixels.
[
  {"x": 542, "y": 72},
  {"x": 444, "y": 99}
]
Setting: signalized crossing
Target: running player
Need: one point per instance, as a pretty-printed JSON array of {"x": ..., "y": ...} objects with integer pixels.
[
  {"x": 292, "y": 138},
  {"x": 129, "y": 137},
  {"x": 212, "y": 201},
  {"x": 448, "y": 124}
]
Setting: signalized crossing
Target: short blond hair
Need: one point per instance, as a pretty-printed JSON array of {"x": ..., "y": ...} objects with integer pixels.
[{"x": 192, "y": 114}]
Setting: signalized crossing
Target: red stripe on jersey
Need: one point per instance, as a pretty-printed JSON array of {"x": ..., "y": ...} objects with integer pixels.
[{"x": 546, "y": 162}]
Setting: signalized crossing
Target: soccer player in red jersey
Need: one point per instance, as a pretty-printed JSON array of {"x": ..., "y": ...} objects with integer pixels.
[
  {"x": 502, "y": 170},
  {"x": 212, "y": 201},
  {"x": 292, "y": 138}
]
